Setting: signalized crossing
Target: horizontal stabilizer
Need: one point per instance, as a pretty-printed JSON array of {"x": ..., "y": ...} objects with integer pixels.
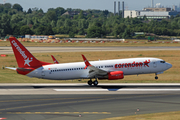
[{"x": 11, "y": 68}]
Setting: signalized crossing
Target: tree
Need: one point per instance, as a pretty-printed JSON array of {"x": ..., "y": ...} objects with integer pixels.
[
  {"x": 39, "y": 30},
  {"x": 44, "y": 30},
  {"x": 118, "y": 29},
  {"x": 1, "y": 8},
  {"x": 71, "y": 34},
  {"x": 25, "y": 30},
  {"x": 126, "y": 34},
  {"x": 95, "y": 31},
  {"x": 5, "y": 27},
  {"x": 29, "y": 11},
  {"x": 59, "y": 23},
  {"x": 41, "y": 11},
  {"x": 81, "y": 31},
  {"x": 105, "y": 13},
  {"x": 7, "y": 5},
  {"x": 48, "y": 31},
  {"x": 16, "y": 29},
  {"x": 17, "y": 7},
  {"x": 59, "y": 11},
  {"x": 51, "y": 15},
  {"x": 82, "y": 23},
  {"x": 67, "y": 23},
  {"x": 16, "y": 18},
  {"x": 81, "y": 16},
  {"x": 53, "y": 23}
]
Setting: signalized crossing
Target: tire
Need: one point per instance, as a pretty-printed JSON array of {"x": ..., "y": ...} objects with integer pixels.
[
  {"x": 90, "y": 82},
  {"x": 95, "y": 83}
]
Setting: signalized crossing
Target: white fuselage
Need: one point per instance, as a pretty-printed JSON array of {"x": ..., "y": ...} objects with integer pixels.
[{"x": 76, "y": 70}]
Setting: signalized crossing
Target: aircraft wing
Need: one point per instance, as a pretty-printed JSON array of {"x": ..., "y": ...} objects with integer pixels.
[{"x": 93, "y": 71}]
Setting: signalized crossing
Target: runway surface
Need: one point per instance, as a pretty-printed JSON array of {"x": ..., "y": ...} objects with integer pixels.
[
  {"x": 8, "y": 50},
  {"x": 52, "y": 102}
]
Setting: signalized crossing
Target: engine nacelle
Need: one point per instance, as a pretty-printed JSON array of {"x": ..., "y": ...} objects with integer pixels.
[{"x": 115, "y": 75}]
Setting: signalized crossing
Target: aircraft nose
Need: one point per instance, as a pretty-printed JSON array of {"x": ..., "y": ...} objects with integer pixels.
[{"x": 169, "y": 65}]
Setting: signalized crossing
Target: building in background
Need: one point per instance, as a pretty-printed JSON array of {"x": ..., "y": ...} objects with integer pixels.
[
  {"x": 157, "y": 9},
  {"x": 158, "y": 15},
  {"x": 176, "y": 8},
  {"x": 118, "y": 11},
  {"x": 157, "y": 12},
  {"x": 72, "y": 13}
]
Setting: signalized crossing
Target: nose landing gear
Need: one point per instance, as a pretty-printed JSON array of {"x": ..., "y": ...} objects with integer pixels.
[{"x": 156, "y": 77}]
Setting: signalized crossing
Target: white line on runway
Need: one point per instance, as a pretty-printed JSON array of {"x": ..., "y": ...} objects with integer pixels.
[
  {"x": 85, "y": 84},
  {"x": 117, "y": 90}
]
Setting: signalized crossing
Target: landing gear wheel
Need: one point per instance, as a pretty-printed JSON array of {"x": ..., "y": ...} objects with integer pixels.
[
  {"x": 90, "y": 82},
  {"x": 156, "y": 77},
  {"x": 95, "y": 83}
]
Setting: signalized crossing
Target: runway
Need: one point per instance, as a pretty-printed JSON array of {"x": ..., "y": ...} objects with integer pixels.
[
  {"x": 52, "y": 102},
  {"x": 8, "y": 50},
  {"x": 83, "y": 88}
]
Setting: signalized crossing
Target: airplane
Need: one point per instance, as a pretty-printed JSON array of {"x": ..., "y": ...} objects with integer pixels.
[
  {"x": 105, "y": 69},
  {"x": 54, "y": 60}
]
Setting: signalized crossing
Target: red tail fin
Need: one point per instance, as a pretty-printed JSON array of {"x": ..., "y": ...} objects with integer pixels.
[
  {"x": 54, "y": 59},
  {"x": 23, "y": 57}
]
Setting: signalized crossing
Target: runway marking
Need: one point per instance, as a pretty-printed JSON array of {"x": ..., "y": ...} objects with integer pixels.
[
  {"x": 102, "y": 98},
  {"x": 123, "y": 90},
  {"x": 47, "y": 99},
  {"x": 55, "y": 113},
  {"x": 58, "y": 103}
]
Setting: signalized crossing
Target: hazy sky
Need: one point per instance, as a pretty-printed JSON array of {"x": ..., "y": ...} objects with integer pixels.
[{"x": 89, "y": 4}]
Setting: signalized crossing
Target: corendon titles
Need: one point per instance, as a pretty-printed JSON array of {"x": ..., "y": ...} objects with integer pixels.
[
  {"x": 134, "y": 64},
  {"x": 19, "y": 49}
]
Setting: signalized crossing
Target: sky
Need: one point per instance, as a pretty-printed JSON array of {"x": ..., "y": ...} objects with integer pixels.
[{"x": 89, "y": 4}]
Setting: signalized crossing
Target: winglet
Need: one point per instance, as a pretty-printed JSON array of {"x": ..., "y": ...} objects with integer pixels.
[
  {"x": 54, "y": 59},
  {"x": 86, "y": 61}
]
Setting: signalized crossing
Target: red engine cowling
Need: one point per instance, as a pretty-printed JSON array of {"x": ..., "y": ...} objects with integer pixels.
[{"x": 115, "y": 75}]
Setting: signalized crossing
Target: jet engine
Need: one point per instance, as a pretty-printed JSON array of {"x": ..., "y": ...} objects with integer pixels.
[{"x": 115, "y": 75}]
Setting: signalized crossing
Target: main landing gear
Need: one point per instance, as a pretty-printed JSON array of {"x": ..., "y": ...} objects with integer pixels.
[
  {"x": 90, "y": 82},
  {"x": 156, "y": 77}
]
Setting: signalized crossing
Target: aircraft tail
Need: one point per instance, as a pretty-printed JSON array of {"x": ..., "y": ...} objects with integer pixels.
[{"x": 23, "y": 57}]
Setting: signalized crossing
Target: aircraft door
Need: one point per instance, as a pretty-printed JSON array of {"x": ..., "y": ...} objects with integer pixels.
[
  {"x": 154, "y": 64},
  {"x": 43, "y": 74}
]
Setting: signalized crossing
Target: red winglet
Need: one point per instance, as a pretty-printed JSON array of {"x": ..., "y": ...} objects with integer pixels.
[
  {"x": 86, "y": 61},
  {"x": 54, "y": 59}
]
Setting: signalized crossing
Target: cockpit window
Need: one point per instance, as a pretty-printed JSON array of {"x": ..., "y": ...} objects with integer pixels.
[{"x": 162, "y": 61}]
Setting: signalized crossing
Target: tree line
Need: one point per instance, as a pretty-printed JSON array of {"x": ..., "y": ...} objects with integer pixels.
[{"x": 95, "y": 23}]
